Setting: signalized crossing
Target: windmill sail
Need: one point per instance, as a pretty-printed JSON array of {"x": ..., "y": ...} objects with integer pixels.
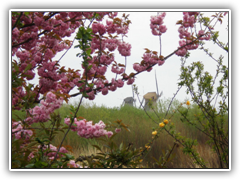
[
  {"x": 129, "y": 100},
  {"x": 152, "y": 97},
  {"x": 156, "y": 83}
]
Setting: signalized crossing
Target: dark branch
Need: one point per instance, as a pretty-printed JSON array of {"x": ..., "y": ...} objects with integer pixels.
[{"x": 17, "y": 20}]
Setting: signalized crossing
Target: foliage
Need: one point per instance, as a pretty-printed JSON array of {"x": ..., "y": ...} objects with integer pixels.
[{"x": 38, "y": 36}]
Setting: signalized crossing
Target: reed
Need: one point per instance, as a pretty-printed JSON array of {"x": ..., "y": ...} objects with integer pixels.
[{"x": 140, "y": 132}]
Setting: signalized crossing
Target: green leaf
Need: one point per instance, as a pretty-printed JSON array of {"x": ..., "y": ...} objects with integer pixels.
[
  {"x": 88, "y": 52},
  {"x": 28, "y": 67},
  {"x": 30, "y": 165},
  {"x": 121, "y": 145},
  {"x": 44, "y": 164},
  {"x": 96, "y": 146},
  {"x": 26, "y": 13},
  {"x": 69, "y": 156}
]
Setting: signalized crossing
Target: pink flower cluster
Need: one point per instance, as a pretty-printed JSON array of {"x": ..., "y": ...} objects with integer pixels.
[
  {"x": 189, "y": 19},
  {"x": 119, "y": 28},
  {"x": 203, "y": 35},
  {"x": 105, "y": 91},
  {"x": 19, "y": 132},
  {"x": 42, "y": 113},
  {"x": 130, "y": 81},
  {"x": 112, "y": 44},
  {"x": 72, "y": 164},
  {"x": 100, "y": 61},
  {"x": 124, "y": 49},
  {"x": 87, "y": 129},
  {"x": 156, "y": 24},
  {"x": 149, "y": 59},
  {"x": 98, "y": 28},
  {"x": 51, "y": 151},
  {"x": 190, "y": 46},
  {"x": 19, "y": 93},
  {"x": 36, "y": 40},
  {"x": 116, "y": 84},
  {"x": 117, "y": 70}
]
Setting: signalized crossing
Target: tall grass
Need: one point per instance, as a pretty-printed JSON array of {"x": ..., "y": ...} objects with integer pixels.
[{"x": 140, "y": 133}]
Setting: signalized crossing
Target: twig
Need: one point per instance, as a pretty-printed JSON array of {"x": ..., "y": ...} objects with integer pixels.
[
  {"x": 165, "y": 161},
  {"x": 172, "y": 100},
  {"x": 75, "y": 115},
  {"x": 165, "y": 58},
  {"x": 160, "y": 45},
  {"x": 145, "y": 110}
]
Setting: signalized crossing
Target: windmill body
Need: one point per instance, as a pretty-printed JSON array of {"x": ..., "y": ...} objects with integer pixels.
[
  {"x": 128, "y": 101},
  {"x": 150, "y": 96},
  {"x": 153, "y": 96}
]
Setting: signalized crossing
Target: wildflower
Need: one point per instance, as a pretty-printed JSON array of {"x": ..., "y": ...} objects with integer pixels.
[
  {"x": 188, "y": 103},
  {"x": 165, "y": 121},
  {"x": 161, "y": 124},
  {"x": 148, "y": 147},
  {"x": 154, "y": 133},
  {"x": 117, "y": 130}
]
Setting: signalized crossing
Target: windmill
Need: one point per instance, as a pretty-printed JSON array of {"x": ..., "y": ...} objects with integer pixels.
[
  {"x": 129, "y": 100},
  {"x": 153, "y": 96}
]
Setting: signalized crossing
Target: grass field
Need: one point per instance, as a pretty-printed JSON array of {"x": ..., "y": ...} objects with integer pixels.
[{"x": 140, "y": 133}]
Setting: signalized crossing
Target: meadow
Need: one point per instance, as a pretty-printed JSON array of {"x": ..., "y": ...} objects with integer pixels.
[{"x": 141, "y": 125}]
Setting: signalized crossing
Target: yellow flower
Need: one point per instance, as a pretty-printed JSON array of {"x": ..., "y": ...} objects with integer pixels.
[
  {"x": 140, "y": 160},
  {"x": 148, "y": 147},
  {"x": 154, "y": 133},
  {"x": 165, "y": 121},
  {"x": 188, "y": 103},
  {"x": 161, "y": 124}
]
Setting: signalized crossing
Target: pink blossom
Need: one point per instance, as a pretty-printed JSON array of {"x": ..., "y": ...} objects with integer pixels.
[
  {"x": 67, "y": 121},
  {"x": 50, "y": 97},
  {"x": 42, "y": 113},
  {"x": 113, "y": 88},
  {"x": 38, "y": 20},
  {"x": 91, "y": 95},
  {"x": 72, "y": 164},
  {"x": 98, "y": 28},
  {"x": 130, "y": 81},
  {"x": 203, "y": 35},
  {"x": 120, "y": 83},
  {"x": 87, "y": 129},
  {"x": 156, "y": 24},
  {"x": 124, "y": 49},
  {"x": 109, "y": 133},
  {"x": 112, "y": 44},
  {"x": 97, "y": 44},
  {"x": 160, "y": 62},
  {"x": 181, "y": 52},
  {"x": 15, "y": 33},
  {"x": 19, "y": 132},
  {"x": 137, "y": 67},
  {"x": 117, "y": 70},
  {"x": 183, "y": 32},
  {"x": 162, "y": 28},
  {"x": 110, "y": 27},
  {"x": 105, "y": 91},
  {"x": 189, "y": 19},
  {"x": 117, "y": 130},
  {"x": 23, "y": 56}
]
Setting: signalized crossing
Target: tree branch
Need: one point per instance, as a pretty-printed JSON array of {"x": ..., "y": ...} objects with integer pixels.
[
  {"x": 15, "y": 24},
  {"x": 165, "y": 58}
]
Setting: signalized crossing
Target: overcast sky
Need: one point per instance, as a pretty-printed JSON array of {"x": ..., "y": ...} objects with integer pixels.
[{"x": 140, "y": 37}]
